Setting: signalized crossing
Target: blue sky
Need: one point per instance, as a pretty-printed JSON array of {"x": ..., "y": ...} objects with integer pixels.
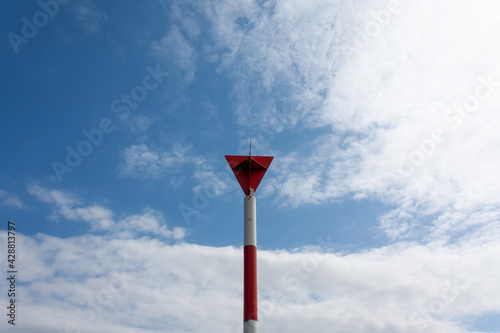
[{"x": 379, "y": 212}]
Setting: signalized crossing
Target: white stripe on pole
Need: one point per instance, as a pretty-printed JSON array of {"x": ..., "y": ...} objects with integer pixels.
[
  {"x": 250, "y": 224},
  {"x": 250, "y": 326}
]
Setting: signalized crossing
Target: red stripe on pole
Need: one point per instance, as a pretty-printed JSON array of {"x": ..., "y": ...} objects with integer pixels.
[{"x": 250, "y": 283}]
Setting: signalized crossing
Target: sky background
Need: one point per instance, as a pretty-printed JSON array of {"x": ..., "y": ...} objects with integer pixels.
[{"x": 379, "y": 213}]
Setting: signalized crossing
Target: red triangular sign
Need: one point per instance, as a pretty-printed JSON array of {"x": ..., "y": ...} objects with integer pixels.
[{"x": 249, "y": 170}]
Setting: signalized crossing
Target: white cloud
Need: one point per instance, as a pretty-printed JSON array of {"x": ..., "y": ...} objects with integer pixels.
[
  {"x": 281, "y": 55},
  {"x": 386, "y": 81},
  {"x": 10, "y": 200},
  {"x": 143, "y": 162},
  {"x": 104, "y": 284},
  {"x": 139, "y": 123},
  {"x": 89, "y": 16},
  {"x": 177, "y": 49},
  {"x": 382, "y": 102},
  {"x": 51, "y": 196},
  {"x": 210, "y": 182},
  {"x": 187, "y": 21},
  {"x": 151, "y": 221},
  {"x": 67, "y": 206},
  {"x": 101, "y": 218}
]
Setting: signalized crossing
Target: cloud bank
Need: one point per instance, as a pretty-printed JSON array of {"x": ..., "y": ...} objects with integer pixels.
[{"x": 109, "y": 284}]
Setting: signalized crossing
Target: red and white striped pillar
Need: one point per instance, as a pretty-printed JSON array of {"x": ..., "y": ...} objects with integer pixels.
[
  {"x": 249, "y": 171},
  {"x": 250, "y": 319}
]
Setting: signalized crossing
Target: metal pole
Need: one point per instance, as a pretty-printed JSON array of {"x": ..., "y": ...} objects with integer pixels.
[
  {"x": 250, "y": 321},
  {"x": 249, "y": 171}
]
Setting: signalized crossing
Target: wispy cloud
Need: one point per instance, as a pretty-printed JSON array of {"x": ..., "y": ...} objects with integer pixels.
[
  {"x": 139, "y": 123},
  {"x": 11, "y": 200},
  {"x": 412, "y": 110},
  {"x": 282, "y": 57},
  {"x": 69, "y": 207},
  {"x": 89, "y": 16},
  {"x": 177, "y": 49},
  {"x": 143, "y": 162},
  {"x": 150, "y": 221},
  {"x": 101, "y": 218}
]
